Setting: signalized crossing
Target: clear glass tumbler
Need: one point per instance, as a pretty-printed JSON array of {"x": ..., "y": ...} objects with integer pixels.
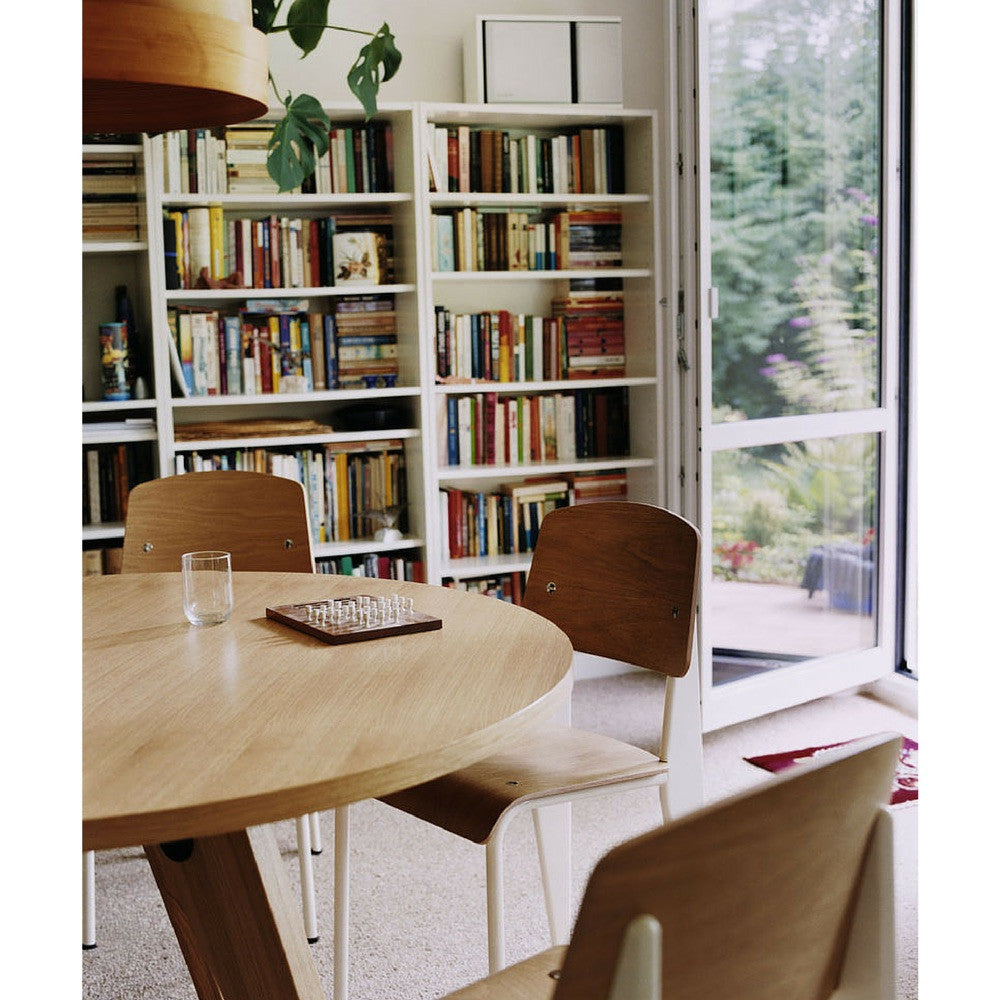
[{"x": 208, "y": 587}]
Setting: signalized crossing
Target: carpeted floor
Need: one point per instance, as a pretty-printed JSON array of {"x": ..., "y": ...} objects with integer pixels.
[{"x": 418, "y": 894}]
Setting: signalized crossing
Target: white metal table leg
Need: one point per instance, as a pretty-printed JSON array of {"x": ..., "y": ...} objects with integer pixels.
[
  {"x": 89, "y": 914},
  {"x": 307, "y": 880},
  {"x": 341, "y": 900},
  {"x": 315, "y": 833}
]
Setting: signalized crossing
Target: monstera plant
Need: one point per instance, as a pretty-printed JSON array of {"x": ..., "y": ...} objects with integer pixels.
[{"x": 304, "y": 131}]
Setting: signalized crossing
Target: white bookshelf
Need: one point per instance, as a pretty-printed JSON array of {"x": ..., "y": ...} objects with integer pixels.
[
  {"x": 417, "y": 288},
  {"x": 530, "y": 292},
  {"x": 106, "y": 264}
]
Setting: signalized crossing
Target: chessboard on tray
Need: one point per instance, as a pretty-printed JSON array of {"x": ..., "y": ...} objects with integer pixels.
[{"x": 354, "y": 619}]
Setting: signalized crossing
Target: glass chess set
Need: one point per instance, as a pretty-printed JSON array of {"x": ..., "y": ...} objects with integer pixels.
[{"x": 354, "y": 619}]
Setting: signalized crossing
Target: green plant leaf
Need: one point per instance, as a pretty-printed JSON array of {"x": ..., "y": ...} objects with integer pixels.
[
  {"x": 264, "y": 13},
  {"x": 363, "y": 77},
  {"x": 306, "y": 23},
  {"x": 297, "y": 139}
]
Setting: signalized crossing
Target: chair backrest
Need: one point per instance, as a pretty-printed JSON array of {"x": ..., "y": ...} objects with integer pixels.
[
  {"x": 755, "y": 895},
  {"x": 261, "y": 519},
  {"x": 620, "y": 579}
]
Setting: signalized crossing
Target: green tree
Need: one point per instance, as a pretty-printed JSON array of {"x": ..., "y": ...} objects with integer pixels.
[{"x": 794, "y": 139}]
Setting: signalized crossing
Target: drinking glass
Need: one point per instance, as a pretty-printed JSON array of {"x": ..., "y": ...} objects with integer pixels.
[{"x": 208, "y": 587}]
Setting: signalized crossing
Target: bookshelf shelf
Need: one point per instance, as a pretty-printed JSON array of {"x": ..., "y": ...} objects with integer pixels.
[
  {"x": 451, "y": 199},
  {"x": 122, "y": 246},
  {"x": 109, "y": 406},
  {"x": 103, "y": 532},
  {"x": 495, "y": 277},
  {"x": 460, "y": 473},
  {"x": 476, "y": 566},
  {"x": 239, "y": 294},
  {"x": 323, "y": 550},
  {"x": 289, "y": 203},
  {"x": 555, "y": 385},
  {"x": 291, "y": 398},
  {"x": 122, "y": 436},
  {"x": 629, "y": 145},
  {"x": 111, "y": 149},
  {"x": 291, "y": 441}
]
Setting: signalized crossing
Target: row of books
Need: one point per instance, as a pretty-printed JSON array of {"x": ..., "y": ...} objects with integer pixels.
[
  {"x": 346, "y": 483},
  {"x": 583, "y": 161},
  {"x": 202, "y": 245},
  {"x": 490, "y": 429},
  {"x": 111, "y": 186},
  {"x": 501, "y": 346},
  {"x": 234, "y": 161},
  {"x": 375, "y": 565},
  {"x": 505, "y": 520},
  {"x": 498, "y": 239},
  {"x": 109, "y": 472},
  {"x": 273, "y": 346},
  {"x": 507, "y": 587}
]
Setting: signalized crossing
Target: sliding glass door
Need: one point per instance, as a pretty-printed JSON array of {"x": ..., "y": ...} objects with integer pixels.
[{"x": 798, "y": 353}]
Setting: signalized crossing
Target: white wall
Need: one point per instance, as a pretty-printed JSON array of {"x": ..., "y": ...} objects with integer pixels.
[{"x": 430, "y": 37}]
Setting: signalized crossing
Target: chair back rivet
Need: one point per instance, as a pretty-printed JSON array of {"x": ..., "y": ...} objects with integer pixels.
[
  {"x": 147, "y": 546},
  {"x": 550, "y": 588},
  {"x": 289, "y": 544}
]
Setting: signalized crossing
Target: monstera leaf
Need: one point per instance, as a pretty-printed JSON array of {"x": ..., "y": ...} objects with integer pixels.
[
  {"x": 307, "y": 22},
  {"x": 301, "y": 136},
  {"x": 364, "y": 76}
]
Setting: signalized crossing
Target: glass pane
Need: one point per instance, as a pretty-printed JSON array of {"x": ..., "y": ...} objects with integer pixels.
[
  {"x": 795, "y": 165},
  {"x": 793, "y": 561}
]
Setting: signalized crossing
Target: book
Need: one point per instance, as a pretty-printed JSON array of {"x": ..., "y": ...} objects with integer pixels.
[{"x": 356, "y": 258}]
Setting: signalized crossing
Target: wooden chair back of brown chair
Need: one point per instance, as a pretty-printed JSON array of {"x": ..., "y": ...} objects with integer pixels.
[
  {"x": 261, "y": 519},
  {"x": 754, "y": 895},
  {"x": 620, "y": 579}
]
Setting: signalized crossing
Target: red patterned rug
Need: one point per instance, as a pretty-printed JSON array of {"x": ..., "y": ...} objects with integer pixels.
[{"x": 903, "y": 790}]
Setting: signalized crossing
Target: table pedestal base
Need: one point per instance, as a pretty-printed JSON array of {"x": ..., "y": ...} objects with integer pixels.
[{"x": 236, "y": 920}]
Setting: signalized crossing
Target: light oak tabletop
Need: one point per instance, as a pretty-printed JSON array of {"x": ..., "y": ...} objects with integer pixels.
[{"x": 191, "y": 732}]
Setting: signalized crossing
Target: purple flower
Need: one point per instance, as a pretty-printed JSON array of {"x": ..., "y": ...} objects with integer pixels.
[
  {"x": 768, "y": 372},
  {"x": 857, "y": 194},
  {"x": 775, "y": 359},
  {"x": 870, "y": 220},
  {"x": 800, "y": 322}
]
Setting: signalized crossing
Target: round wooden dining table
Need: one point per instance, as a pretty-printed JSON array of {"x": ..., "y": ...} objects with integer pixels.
[{"x": 193, "y": 737}]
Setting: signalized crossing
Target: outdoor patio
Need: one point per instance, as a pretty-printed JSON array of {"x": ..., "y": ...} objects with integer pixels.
[{"x": 783, "y": 620}]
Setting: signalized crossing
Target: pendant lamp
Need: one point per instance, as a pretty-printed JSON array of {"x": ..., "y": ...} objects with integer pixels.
[{"x": 156, "y": 65}]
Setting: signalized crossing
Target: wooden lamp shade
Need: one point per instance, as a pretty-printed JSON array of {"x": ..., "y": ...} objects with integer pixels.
[{"x": 154, "y": 65}]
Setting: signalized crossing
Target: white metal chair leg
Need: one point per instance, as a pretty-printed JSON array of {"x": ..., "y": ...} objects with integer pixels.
[
  {"x": 553, "y": 838},
  {"x": 494, "y": 902},
  {"x": 315, "y": 833},
  {"x": 665, "y": 807},
  {"x": 89, "y": 914},
  {"x": 341, "y": 900},
  {"x": 307, "y": 881}
]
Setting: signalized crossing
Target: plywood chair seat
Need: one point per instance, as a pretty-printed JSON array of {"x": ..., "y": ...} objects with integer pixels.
[
  {"x": 533, "y": 978},
  {"x": 556, "y": 761},
  {"x": 784, "y": 892}
]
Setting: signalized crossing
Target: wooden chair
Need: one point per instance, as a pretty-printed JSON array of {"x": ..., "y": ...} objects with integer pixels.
[
  {"x": 263, "y": 521},
  {"x": 781, "y": 893},
  {"x": 620, "y": 579}
]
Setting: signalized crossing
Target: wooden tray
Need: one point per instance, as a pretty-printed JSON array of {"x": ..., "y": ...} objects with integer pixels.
[{"x": 351, "y": 623}]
